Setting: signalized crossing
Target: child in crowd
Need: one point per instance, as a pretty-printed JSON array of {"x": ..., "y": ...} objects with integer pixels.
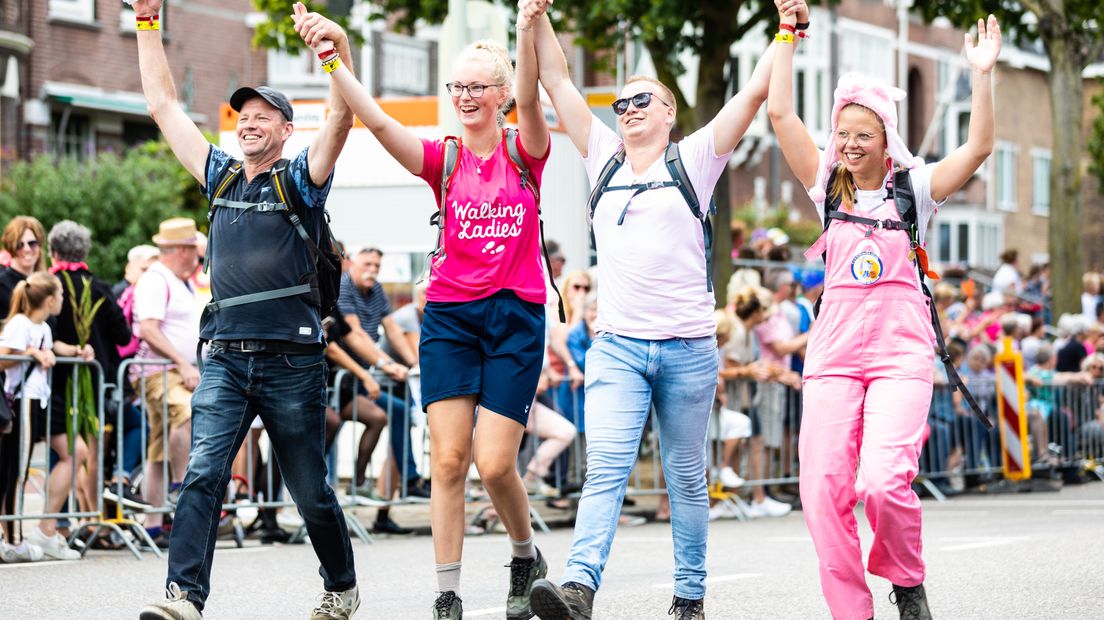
[{"x": 26, "y": 333}]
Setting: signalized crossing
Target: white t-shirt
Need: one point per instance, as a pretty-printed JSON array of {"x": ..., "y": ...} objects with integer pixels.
[
  {"x": 160, "y": 294},
  {"x": 20, "y": 334},
  {"x": 652, "y": 266},
  {"x": 1007, "y": 281},
  {"x": 869, "y": 202},
  {"x": 1088, "y": 306}
]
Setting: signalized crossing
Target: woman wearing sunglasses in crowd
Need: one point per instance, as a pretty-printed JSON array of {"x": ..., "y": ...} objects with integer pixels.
[
  {"x": 23, "y": 238},
  {"x": 655, "y": 333},
  {"x": 868, "y": 371},
  {"x": 482, "y": 338}
]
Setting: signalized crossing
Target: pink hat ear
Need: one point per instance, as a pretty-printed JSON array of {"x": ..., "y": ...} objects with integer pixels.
[{"x": 817, "y": 194}]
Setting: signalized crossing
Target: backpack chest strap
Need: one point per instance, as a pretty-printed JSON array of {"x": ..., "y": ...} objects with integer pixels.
[
  {"x": 873, "y": 224},
  {"x": 636, "y": 189}
]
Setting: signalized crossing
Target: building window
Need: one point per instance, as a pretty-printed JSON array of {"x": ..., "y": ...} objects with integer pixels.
[
  {"x": 1040, "y": 182},
  {"x": 966, "y": 237},
  {"x": 70, "y": 135},
  {"x": 82, "y": 11},
  {"x": 1006, "y": 176}
]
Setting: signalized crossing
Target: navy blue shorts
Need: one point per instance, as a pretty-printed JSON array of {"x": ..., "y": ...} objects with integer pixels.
[{"x": 492, "y": 348}]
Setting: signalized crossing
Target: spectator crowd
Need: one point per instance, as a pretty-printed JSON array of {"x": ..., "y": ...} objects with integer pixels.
[{"x": 58, "y": 308}]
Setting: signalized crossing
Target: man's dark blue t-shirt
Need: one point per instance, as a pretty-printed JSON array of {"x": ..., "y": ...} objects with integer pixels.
[{"x": 252, "y": 252}]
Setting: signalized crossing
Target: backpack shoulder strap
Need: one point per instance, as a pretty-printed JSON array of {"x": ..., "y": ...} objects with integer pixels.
[
  {"x": 608, "y": 170},
  {"x": 450, "y": 160},
  {"x": 831, "y": 203},
  {"x": 904, "y": 198},
  {"x": 682, "y": 181},
  {"x": 514, "y": 152}
]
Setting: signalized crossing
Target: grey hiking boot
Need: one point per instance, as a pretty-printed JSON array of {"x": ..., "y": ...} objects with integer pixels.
[
  {"x": 176, "y": 606},
  {"x": 573, "y": 601},
  {"x": 912, "y": 603},
  {"x": 523, "y": 573},
  {"x": 337, "y": 605},
  {"x": 448, "y": 606},
  {"x": 687, "y": 609}
]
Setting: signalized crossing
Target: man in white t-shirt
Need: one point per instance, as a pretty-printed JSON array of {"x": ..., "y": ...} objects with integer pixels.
[
  {"x": 655, "y": 342},
  {"x": 167, "y": 316}
]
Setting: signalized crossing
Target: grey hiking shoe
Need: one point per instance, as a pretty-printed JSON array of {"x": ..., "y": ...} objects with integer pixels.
[
  {"x": 337, "y": 605},
  {"x": 687, "y": 609},
  {"x": 176, "y": 606},
  {"x": 573, "y": 601},
  {"x": 523, "y": 573},
  {"x": 448, "y": 606},
  {"x": 912, "y": 603}
]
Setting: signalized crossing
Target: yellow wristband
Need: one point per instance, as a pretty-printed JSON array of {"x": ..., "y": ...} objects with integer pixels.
[
  {"x": 332, "y": 64},
  {"x": 147, "y": 24},
  {"x": 784, "y": 37}
]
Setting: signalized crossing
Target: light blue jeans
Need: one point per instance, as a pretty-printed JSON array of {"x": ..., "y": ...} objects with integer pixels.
[{"x": 624, "y": 377}]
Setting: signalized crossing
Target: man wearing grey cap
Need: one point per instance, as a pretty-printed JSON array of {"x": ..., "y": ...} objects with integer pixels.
[{"x": 263, "y": 325}]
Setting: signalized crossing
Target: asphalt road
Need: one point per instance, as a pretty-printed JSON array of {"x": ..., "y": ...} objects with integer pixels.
[{"x": 1031, "y": 556}]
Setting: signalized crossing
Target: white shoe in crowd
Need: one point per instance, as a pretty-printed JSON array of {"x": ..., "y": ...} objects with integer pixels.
[
  {"x": 175, "y": 607},
  {"x": 23, "y": 552},
  {"x": 730, "y": 479},
  {"x": 769, "y": 508},
  {"x": 53, "y": 547},
  {"x": 722, "y": 510}
]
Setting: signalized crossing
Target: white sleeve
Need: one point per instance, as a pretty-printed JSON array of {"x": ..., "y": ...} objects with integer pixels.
[
  {"x": 703, "y": 165},
  {"x": 16, "y": 334},
  {"x": 601, "y": 145},
  {"x": 921, "y": 191},
  {"x": 151, "y": 297}
]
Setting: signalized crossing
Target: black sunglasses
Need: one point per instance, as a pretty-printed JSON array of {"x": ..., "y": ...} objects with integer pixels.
[{"x": 639, "y": 100}]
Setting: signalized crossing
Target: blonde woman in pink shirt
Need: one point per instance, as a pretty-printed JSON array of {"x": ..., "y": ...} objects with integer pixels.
[{"x": 483, "y": 332}]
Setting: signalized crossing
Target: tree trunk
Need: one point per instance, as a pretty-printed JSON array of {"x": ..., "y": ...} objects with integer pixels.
[{"x": 1067, "y": 107}]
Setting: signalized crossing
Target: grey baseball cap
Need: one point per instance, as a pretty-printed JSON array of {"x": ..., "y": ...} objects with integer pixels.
[{"x": 276, "y": 98}]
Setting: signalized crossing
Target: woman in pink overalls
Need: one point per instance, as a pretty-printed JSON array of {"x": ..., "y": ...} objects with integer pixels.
[{"x": 868, "y": 370}]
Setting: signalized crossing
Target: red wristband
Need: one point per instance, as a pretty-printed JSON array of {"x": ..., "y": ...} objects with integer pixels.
[
  {"x": 328, "y": 54},
  {"x": 787, "y": 27}
]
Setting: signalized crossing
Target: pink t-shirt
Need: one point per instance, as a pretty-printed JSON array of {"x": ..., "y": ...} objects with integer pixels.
[
  {"x": 492, "y": 230},
  {"x": 775, "y": 329}
]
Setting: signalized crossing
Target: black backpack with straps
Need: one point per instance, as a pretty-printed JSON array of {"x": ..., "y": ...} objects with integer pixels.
[
  {"x": 679, "y": 179},
  {"x": 904, "y": 199},
  {"x": 322, "y": 285},
  {"x": 450, "y": 164}
]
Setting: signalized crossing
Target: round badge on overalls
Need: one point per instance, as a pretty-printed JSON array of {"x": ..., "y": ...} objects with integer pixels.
[{"x": 866, "y": 266}]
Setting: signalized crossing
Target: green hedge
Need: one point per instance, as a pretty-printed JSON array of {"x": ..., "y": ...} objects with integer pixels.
[{"x": 122, "y": 199}]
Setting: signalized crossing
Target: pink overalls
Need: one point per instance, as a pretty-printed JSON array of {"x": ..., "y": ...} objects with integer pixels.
[{"x": 867, "y": 390}]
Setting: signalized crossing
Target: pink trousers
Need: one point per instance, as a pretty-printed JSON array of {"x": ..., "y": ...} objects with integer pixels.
[{"x": 867, "y": 390}]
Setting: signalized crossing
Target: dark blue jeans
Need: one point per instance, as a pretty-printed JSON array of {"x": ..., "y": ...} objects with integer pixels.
[
  {"x": 398, "y": 425},
  {"x": 288, "y": 392}
]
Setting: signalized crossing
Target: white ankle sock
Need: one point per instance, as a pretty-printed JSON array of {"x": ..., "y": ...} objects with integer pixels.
[
  {"x": 523, "y": 548},
  {"x": 448, "y": 577}
]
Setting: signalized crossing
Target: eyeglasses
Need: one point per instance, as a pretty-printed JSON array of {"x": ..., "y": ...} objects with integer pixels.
[
  {"x": 32, "y": 244},
  {"x": 457, "y": 89},
  {"x": 862, "y": 138},
  {"x": 639, "y": 100}
]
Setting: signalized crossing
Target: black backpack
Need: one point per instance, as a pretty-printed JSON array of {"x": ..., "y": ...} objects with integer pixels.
[
  {"x": 324, "y": 283},
  {"x": 679, "y": 179},
  {"x": 900, "y": 191}
]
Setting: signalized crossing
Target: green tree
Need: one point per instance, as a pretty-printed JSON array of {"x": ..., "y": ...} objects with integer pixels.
[
  {"x": 1096, "y": 141},
  {"x": 666, "y": 28},
  {"x": 122, "y": 199},
  {"x": 1071, "y": 35},
  {"x": 277, "y": 31}
]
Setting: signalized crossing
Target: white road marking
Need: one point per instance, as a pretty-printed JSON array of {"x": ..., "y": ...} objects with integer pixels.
[{"x": 982, "y": 542}]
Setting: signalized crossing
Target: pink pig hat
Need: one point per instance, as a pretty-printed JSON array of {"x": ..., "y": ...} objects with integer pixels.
[{"x": 880, "y": 98}]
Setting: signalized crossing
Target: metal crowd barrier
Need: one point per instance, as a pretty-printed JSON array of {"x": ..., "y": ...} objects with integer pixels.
[{"x": 89, "y": 507}]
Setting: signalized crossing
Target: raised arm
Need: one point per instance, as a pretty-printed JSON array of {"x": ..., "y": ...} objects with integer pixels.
[
  {"x": 571, "y": 107},
  {"x": 732, "y": 121},
  {"x": 531, "y": 124},
  {"x": 797, "y": 145},
  {"x": 328, "y": 142},
  {"x": 184, "y": 138},
  {"x": 399, "y": 141},
  {"x": 955, "y": 169}
]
